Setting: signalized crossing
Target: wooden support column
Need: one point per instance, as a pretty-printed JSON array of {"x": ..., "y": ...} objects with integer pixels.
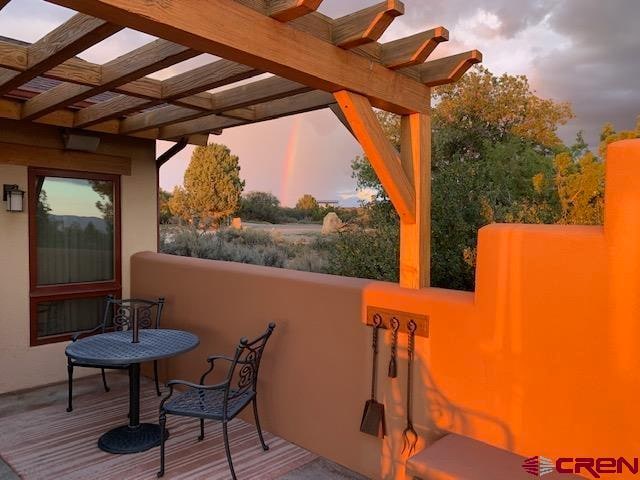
[{"x": 415, "y": 237}]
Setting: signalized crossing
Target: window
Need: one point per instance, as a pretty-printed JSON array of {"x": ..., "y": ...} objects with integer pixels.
[{"x": 74, "y": 249}]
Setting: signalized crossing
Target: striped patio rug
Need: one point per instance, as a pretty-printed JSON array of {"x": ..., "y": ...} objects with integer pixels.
[{"x": 49, "y": 443}]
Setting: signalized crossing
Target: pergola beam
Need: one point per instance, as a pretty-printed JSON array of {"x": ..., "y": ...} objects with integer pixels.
[
  {"x": 218, "y": 27},
  {"x": 72, "y": 37},
  {"x": 384, "y": 158},
  {"x": 412, "y": 50},
  {"x": 446, "y": 70},
  {"x": 131, "y": 66},
  {"x": 287, "y": 10},
  {"x": 366, "y": 25}
]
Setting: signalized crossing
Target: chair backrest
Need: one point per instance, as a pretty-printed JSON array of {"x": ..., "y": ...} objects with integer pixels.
[
  {"x": 121, "y": 314},
  {"x": 246, "y": 365}
]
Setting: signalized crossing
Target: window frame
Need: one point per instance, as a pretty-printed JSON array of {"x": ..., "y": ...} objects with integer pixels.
[{"x": 40, "y": 293}]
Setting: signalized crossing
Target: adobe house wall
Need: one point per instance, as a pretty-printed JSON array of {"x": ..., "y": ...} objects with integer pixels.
[{"x": 23, "y": 366}]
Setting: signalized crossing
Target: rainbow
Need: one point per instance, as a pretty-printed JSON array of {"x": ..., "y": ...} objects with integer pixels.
[{"x": 289, "y": 160}]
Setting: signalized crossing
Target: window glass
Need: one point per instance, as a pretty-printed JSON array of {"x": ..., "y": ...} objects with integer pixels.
[
  {"x": 70, "y": 315},
  {"x": 75, "y": 230}
]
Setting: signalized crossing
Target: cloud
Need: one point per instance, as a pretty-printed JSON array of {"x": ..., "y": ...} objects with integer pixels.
[
  {"x": 598, "y": 72},
  {"x": 581, "y": 51}
]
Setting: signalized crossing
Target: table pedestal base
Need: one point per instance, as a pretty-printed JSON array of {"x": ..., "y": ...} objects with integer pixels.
[{"x": 128, "y": 439}]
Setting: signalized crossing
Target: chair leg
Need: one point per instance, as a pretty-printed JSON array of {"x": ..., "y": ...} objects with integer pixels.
[
  {"x": 104, "y": 381},
  {"x": 265, "y": 447},
  {"x": 201, "y": 437},
  {"x": 70, "y": 386},
  {"x": 163, "y": 426},
  {"x": 155, "y": 377},
  {"x": 225, "y": 433}
]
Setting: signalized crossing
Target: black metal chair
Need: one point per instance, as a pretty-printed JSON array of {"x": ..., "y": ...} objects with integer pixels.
[
  {"x": 119, "y": 314},
  {"x": 222, "y": 401}
]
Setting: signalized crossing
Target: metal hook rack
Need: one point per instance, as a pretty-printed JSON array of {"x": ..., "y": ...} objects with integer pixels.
[{"x": 421, "y": 320}]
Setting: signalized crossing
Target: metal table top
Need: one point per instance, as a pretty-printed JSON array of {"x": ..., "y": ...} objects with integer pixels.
[{"x": 116, "y": 348}]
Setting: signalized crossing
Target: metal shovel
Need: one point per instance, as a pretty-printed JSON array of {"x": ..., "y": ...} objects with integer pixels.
[{"x": 373, "y": 417}]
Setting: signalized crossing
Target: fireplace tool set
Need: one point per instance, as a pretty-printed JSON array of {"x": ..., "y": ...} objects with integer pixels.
[{"x": 373, "y": 422}]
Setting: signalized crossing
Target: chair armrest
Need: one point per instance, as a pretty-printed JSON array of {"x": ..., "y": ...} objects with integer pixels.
[
  {"x": 171, "y": 385},
  {"x": 211, "y": 361},
  {"x": 197, "y": 386},
  {"x": 213, "y": 358},
  {"x": 86, "y": 332}
]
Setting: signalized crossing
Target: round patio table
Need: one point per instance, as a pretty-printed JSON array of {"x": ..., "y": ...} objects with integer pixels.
[{"x": 118, "y": 349}]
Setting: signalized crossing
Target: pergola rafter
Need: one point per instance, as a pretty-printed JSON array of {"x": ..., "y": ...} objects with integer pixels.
[
  {"x": 72, "y": 37},
  {"x": 316, "y": 62}
]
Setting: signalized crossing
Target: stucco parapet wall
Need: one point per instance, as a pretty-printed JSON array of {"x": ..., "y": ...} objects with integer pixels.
[
  {"x": 378, "y": 293},
  {"x": 253, "y": 270}
]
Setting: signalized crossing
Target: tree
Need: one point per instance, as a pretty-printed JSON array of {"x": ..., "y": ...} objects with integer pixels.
[
  {"x": 260, "y": 206},
  {"x": 212, "y": 187},
  {"x": 164, "y": 212},
  {"x": 494, "y": 143},
  {"x": 307, "y": 203},
  {"x": 609, "y": 135},
  {"x": 580, "y": 186}
]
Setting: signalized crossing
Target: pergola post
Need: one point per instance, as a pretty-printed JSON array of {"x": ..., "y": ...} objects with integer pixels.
[{"x": 415, "y": 237}]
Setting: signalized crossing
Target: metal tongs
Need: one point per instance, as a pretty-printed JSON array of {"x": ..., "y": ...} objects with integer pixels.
[{"x": 409, "y": 435}]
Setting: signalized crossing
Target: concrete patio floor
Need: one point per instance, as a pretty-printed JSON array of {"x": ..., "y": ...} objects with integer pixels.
[{"x": 13, "y": 404}]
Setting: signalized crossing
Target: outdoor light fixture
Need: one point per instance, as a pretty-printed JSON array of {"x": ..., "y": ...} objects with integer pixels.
[
  {"x": 84, "y": 143},
  {"x": 14, "y": 198}
]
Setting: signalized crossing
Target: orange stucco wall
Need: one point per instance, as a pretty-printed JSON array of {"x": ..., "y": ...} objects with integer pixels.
[{"x": 541, "y": 359}]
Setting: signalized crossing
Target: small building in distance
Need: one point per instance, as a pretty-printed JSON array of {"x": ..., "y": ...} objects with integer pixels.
[{"x": 329, "y": 203}]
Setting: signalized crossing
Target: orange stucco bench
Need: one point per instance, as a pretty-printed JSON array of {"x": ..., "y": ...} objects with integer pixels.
[{"x": 456, "y": 457}]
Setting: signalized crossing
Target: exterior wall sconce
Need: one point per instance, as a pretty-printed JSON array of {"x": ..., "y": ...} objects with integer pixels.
[{"x": 14, "y": 198}]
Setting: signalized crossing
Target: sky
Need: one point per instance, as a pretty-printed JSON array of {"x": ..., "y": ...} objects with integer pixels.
[
  {"x": 68, "y": 196},
  {"x": 581, "y": 51}
]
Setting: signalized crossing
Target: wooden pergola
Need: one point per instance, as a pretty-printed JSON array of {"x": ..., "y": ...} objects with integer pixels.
[{"x": 316, "y": 61}]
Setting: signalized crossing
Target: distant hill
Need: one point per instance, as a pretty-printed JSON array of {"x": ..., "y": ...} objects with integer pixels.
[{"x": 68, "y": 220}]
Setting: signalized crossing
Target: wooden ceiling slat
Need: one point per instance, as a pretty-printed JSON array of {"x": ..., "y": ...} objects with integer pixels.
[
  {"x": 126, "y": 68},
  {"x": 110, "y": 109},
  {"x": 13, "y": 56},
  {"x": 366, "y": 25},
  {"x": 159, "y": 117},
  {"x": 222, "y": 29},
  {"x": 72, "y": 37},
  {"x": 177, "y": 89},
  {"x": 300, "y": 103},
  {"x": 238, "y": 97},
  {"x": 206, "y": 77}
]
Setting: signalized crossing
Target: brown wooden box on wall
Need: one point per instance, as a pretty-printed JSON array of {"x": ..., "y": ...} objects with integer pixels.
[{"x": 422, "y": 321}]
